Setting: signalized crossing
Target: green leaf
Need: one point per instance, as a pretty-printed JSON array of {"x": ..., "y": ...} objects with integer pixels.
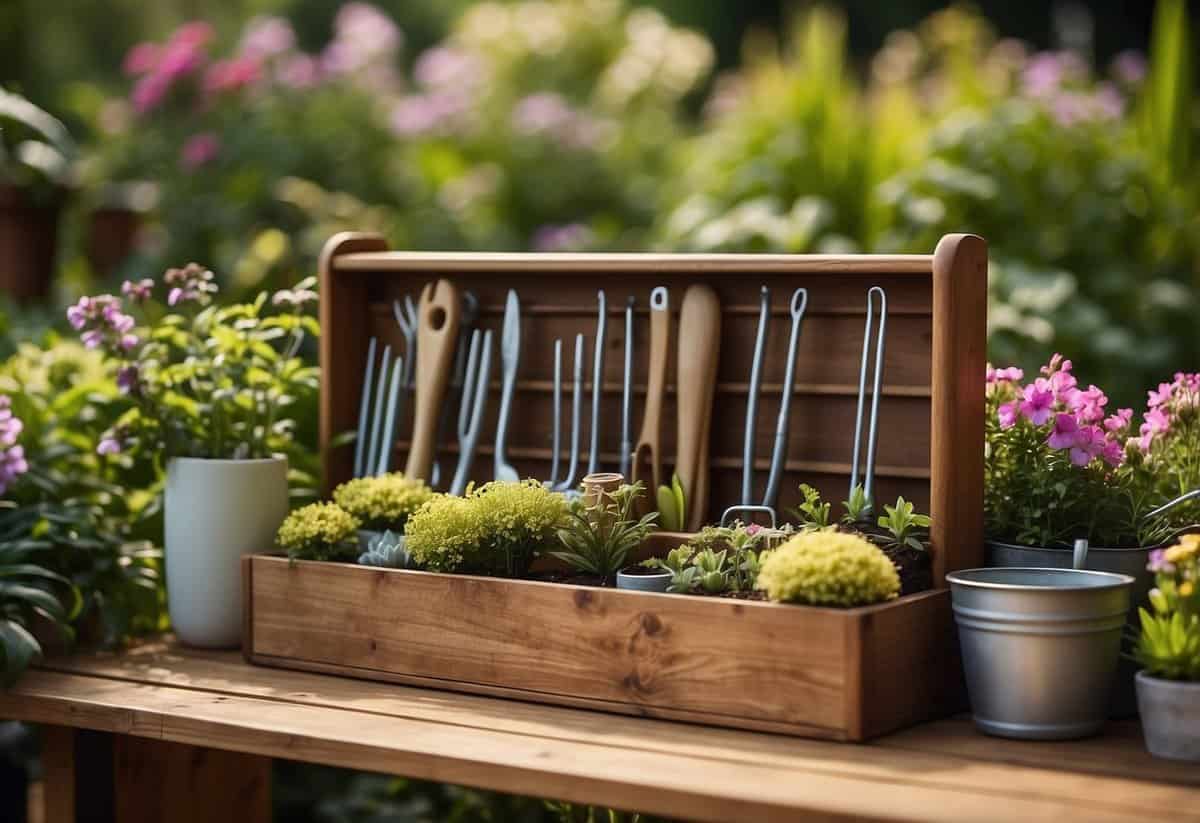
[
  {"x": 20, "y": 648},
  {"x": 667, "y": 509}
]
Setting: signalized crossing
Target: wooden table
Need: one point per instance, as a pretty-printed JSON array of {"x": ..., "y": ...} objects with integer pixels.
[{"x": 163, "y": 733}]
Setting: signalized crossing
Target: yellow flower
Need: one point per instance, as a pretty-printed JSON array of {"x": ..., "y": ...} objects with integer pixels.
[
  {"x": 1186, "y": 588},
  {"x": 1183, "y": 551}
]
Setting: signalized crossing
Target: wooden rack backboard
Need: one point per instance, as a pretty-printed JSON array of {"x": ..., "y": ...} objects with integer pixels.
[{"x": 931, "y": 412}]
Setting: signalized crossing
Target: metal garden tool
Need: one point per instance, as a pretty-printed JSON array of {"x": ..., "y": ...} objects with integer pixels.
[
  {"x": 699, "y": 348},
  {"x": 647, "y": 454},
  {"x": 510, "y": 359},
  {"x": 877, "y": 386},
  {"x": 556, "y": 430},
  {"x": 627, "y": 393},
  {"x": 470, "y": 313},
  {"x": 364, "y": 411},
  {"x": 770, "y": 496},
  {"x": 375, "y": 442},
  {"x": 439, "y": 315},
  {"x": 568, "y": 484},
  {"x": 593, "y": 463},
  {"x": 477, "y": 374},
  {"x": 406, "y": 319}
]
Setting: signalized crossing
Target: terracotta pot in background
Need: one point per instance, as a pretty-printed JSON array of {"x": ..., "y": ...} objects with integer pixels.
[
  {"x": 28, "y": 243},
  {"x": 111, "y": 237}
]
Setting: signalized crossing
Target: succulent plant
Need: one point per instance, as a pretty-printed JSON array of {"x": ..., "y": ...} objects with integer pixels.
[
  {"x": 711, "y": 575},
  {"x": 828, "y": 568},
  {"x": 679, "y": 563},
  {"x": 386, "y": 550},
  {"x": 383, "y": 502},
  {"x": 318, "y": 531},
  {"x": 904, "y": 527},
  {"x": 599, "y": 536}
]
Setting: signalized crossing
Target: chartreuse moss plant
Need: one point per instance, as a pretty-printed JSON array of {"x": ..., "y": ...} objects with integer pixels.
[
  {"x": 382, "y": 503},
  {"x": 319, "y": 531},
  {"x": 828, "y": 568},
  {"x": 496, "y": 529}
]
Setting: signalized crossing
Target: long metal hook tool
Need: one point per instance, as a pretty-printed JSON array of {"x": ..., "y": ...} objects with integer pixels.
[
  {"x": 556, "y": 431},
  {"x": 760, "y": 344},
  {"x": 466, "y": 323},
  {"x": 876, "y": 389},
  {"x": 593, "y": 464},
  {"x": 627, "y": 393},
  {"x": 474, "y": 398},
  {"x": 797, "y": 308},
  {"x": 576, "y": 413},
  {"x": 510, "y": 358},
  {"x": 381, "y": 393},
  {"x": 364, "y": 411},
  {"x": 387, "y": 446}
]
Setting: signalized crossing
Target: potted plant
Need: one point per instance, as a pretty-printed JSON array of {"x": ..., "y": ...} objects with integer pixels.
[
  {"x": 602, "y": 530},
  {"x": 381, "y": 503},
  {"x": 1168, "y": 648},
  {"x": 209, "y": 389},
  {"x": 35, "y": 167}
]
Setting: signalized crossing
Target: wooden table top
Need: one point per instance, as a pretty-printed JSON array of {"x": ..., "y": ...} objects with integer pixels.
[{"x": 939, "y": 771}]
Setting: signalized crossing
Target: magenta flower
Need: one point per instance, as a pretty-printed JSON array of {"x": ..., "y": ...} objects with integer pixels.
[
  {"x": 1065, "y": 433},
  {"x": 1007, "y": 414},
  {"x": 1119, "y": 421},
  {"x": 149, "y": 92},
  {"x": 1088, "y": 405},
  {"x": 192, "y": 283},
  {"x": 109, "y": 445},
  {"x": 198, "y": 150},
  {"x": 1038, "y": 403},
  {"x": 232, "y": 75},
  {"x": 138, "y": 292},
  {"x": 12, "y": 455},
  {"x": 1089, "y": 443},
  {"x": 1160, "y": 397},
  {"x": 1113, "y": 452},
  {"x": 141, "y": 58}
]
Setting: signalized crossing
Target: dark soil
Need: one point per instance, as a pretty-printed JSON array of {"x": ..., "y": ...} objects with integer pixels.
[{"x": 915, "y": 567}]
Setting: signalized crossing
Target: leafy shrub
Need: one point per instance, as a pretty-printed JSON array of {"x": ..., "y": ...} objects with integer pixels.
[
  {"x": 383, "y": 502},
  {"x": 828, "y": 568},
  {"x": 319, "y": 531},
  {"x": 1168, "y": 645},
  {"x": 496, "y": 529}
]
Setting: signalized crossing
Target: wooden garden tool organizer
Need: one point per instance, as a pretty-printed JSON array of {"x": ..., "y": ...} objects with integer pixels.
[{"x": 843, "y": 674}]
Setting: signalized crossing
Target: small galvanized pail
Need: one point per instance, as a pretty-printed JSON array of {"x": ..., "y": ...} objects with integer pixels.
[{"x": 1040, "y": 647}]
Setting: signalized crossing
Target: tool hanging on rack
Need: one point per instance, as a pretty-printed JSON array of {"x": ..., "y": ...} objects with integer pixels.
[
  {"x": 466, "y": 326},
  {"x": 699, "y": 350},
  {"x": 647, "y": 454},
  {"x": 476, "y": 376},
  {"x": 593, "y": 464},
  {"x": 439, "y": 314},
  {"x": 510, "y": 359},
  {"x": 796, "y": 308},
  {"x": 627, "y": 393},
  {"x": 868, "y": 484},
  {"x": 568, "y": 484}
]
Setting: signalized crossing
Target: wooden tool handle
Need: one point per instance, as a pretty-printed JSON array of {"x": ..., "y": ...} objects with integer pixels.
[
  {"x": 699, "y": 348},
  {"x": 648, "y": 453},
  {"x": 439, "y": 314}
]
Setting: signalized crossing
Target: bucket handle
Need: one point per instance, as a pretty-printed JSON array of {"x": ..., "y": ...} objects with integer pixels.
[{"x": 1079, "y": 555}]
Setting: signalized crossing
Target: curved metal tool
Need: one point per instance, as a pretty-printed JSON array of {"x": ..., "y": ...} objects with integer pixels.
[
  {"x": 760, "y": 343},
  {"x": 381, "y": 392},
  {"x": 576, "y": 412},
  {"x": 797, "y": 308},
  {"x": 474, "y": 401},
  {"x": 510, "y": 358},
  {"x": 470, "y": 313},
  {"x": 877, "y": 386},
  {"x": 593, "y": 464},
  {"x": 767, "y": 510},
  {"x": 556, "y": 431},
  {"x": 364, "y": 411},
  {"x": 627, "y": 393}
]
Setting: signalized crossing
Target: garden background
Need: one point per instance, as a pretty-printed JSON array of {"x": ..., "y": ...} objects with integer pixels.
[{"x": 243, "y": 133}]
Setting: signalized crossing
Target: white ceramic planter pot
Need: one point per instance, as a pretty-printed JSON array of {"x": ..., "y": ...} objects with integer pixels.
[{"x": 215, "y": 512}]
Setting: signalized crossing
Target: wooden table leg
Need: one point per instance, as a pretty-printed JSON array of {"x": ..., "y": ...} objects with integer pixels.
[{"x": 95, "y": 777}]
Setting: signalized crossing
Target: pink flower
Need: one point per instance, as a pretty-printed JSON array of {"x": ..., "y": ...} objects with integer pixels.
[
  {"x": 1089, "y": 442},
  {"x": 149, "y": 92},
  {"x": 232, "y": 75},
  {"x": 142, "y": 58},
  {"x": 1055, "y": 361},
  {"x": 198, "y": 150},
  {"x": 109, "y": 445},
  {"x": 1038, "y": 403},
  {"x": 1088, "y": 405},
  {"x": 1118, "y": 421},
  {"x": 1065, "y": 433},
  {"x": 138, "y": 292},
  {"x": 300, "y": 71},
  {"x": 1114, "y": 452},
  {"x": 1160, "y": 397},
  {"x": 267, "y": 36},
  {"x": 92, "y": 338},
  {"x": 1007, "y": 414},
  {"x": 1012, "y": 375}
]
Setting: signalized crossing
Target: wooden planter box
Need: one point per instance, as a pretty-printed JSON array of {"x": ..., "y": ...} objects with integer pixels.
[
  {"x": 835, "y": 674},
  {"x": 839, "y": 674}
]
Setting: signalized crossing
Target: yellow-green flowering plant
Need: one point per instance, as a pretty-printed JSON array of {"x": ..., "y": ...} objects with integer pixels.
[
  {"x": 828, "y": 568},
  {"x": 319, "y": 531},
  {"x": 384, "y": 502},
  {"x": 1168, "y": 645}
]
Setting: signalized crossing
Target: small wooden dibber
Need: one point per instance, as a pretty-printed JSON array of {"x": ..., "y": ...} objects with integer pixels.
[
  {"x": 699, "y": 349},
  {"x": 439, "y": 313}
]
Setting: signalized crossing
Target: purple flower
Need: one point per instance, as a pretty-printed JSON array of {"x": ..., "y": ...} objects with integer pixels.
[
  {"x": 569, "y": 237},
  {"x": 128, "y": 379},
  {"x": 1114, "y": 452},
  {"x": 138, "y": 292},
  {"x": 1159, "y": 563},
  {"x": 1065, "y": 433},
  {"x": 78, "y": 314},
  {"x": 92, "y": 338},
  {"x": 109, "y": 445},
  {"x": 1007, "y": 414},
  {"x": 1088, "y": 405},
  {"x": 1160, "y": 397},
  {"x": 1038, "y": 403},
  {"x": 439, "y": 112},
  {"x": 192, "y": 283},
  {"x": 444, "y": 67},
  {"x": 1089, "y": 443}
]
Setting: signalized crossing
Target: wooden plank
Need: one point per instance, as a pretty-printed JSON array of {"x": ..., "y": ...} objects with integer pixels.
[
  {"x": 836, "y": 782},
  {"x": 421, "y": 261},
  {"x": 714, "y": 660},
  {"x": 159, "y": 780},
  {"x": 956, "y": 426}
]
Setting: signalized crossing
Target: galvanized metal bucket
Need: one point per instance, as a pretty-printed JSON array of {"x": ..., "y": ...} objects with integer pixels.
[{"x": 1040, "y": 647}]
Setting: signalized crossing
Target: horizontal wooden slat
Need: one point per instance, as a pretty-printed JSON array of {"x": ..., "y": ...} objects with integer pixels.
[{"x": 649, "y": 264}]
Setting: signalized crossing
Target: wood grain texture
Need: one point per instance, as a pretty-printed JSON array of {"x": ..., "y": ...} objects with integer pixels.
[
  {"x": 930, "y": 773},
  {"x": 639, "y": 262},
  {"x": 745, "y": 664},
  {"x": 343, "y": 307},
  {"x": 957, "y": 414}
]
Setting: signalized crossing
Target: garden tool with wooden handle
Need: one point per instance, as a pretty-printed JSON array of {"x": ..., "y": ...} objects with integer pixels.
[
  {"x": 647, "y": 455},
  {"x": 699, "y": 349},
  {"x": 439, "y": 313}
]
